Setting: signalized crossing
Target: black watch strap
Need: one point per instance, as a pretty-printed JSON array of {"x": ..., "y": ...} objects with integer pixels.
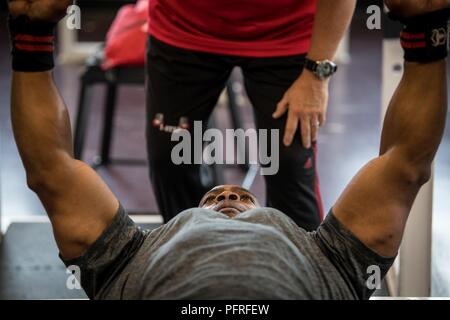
[
  {"x": 322, "y": 69},
  {"x": 311, "y": 65}
]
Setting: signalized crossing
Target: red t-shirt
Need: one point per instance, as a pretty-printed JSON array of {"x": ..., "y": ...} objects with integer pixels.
[{"x": 251, "y": 28}]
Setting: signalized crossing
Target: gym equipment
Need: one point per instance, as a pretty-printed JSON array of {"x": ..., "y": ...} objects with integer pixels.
[
  {"x": 30, "y": 267},
  {"x": 72, "y": 48},
  {"x": 113, "y": 78}
]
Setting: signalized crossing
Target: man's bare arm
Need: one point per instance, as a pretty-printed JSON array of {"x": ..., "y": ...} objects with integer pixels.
[
  {"x": 331, "y": 22},
  {"x": 376, "y": 204},
  {"x": 79, "y": 204}
]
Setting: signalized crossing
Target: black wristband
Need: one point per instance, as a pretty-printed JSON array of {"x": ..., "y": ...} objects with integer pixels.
[
  {"x": 425, "y": 37},
  {"x": 32, "y": 44}
]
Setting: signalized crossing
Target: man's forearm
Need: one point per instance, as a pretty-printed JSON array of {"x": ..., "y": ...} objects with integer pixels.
[
  {"x": 40, "y": 122},
  {"x": 331, "y": 21},
  {"x": 415, "y": 120}
]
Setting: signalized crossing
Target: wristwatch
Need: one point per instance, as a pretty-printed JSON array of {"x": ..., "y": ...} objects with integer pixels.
[{"x": 322, "y": 69}]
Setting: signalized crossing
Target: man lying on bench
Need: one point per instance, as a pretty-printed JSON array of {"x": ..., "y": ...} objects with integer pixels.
[{"x": 229, "y": 247}]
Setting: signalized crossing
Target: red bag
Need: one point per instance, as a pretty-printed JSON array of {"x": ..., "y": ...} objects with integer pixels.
[{"x": 126, "y": 39}]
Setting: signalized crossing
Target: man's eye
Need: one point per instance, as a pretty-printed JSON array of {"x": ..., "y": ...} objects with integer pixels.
[
  {"x": 246, "y": 197},
  {"x": 209, "y": 199}
]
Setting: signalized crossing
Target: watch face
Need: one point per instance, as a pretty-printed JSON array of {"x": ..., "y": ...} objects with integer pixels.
[{"x": 325, "y": 69}]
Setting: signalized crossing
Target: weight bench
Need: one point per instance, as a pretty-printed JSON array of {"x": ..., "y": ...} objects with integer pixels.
[
  {"x": 30, "y": 267},
  {"x": 112, "y": 79}
]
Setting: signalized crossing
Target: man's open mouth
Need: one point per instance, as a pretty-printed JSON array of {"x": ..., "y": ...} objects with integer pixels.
[
  {"x": 229, "y": 211},
  {"x": 229, "y": 208}
]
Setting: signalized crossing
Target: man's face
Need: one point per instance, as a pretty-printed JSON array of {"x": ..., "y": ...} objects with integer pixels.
[{"x": 229, "y": 200}]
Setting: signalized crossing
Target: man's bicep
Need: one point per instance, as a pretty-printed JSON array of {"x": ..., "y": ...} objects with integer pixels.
[
  {"x": 376, "y": 203},
  {"x": 80, "y": 206}
]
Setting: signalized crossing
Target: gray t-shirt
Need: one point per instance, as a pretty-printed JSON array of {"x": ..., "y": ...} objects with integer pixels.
[{"x": 203, "y": 254}]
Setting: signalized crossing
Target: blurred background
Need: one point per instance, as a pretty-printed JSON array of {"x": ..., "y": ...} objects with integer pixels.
[{"x": 349, "y": 139}]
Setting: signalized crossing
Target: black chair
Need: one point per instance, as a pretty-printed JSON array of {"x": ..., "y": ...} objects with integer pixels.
[{"x": 112, "y": 79}]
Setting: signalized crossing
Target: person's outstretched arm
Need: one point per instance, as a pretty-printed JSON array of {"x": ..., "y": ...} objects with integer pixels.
[
  {"x": 78, "y": 202},
  {"x": 376, "y": 204}
]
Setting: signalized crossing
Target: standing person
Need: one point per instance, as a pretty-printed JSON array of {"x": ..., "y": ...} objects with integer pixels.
[{"x": 193, "y": 47}]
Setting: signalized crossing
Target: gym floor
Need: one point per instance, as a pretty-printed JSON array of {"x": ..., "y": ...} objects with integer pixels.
[{"x": 346, "y": 143}]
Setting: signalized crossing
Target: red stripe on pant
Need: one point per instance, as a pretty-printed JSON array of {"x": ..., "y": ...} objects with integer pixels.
[{"x": 317, "y": 185}]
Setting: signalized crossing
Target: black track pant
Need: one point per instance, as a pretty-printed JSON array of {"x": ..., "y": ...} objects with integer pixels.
[{"x": 183, "y": 83}]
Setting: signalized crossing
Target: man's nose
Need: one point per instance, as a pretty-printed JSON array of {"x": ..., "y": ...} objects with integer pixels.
[{"x": 227, "y": 195}]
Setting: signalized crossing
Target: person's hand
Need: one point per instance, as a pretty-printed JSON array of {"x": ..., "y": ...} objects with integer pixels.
[
  {"x": 40, "y": 10},
  {"x": 306, "y": 102},
  {"x": 410, "y": 8}
]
